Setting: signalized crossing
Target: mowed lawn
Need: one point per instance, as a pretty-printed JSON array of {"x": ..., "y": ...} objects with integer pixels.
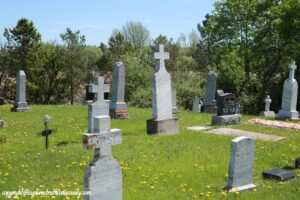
[{"x": 190, "y": 165}]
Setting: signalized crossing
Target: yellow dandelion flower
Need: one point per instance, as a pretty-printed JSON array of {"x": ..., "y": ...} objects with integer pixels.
[{"x": 152, "y": 187}]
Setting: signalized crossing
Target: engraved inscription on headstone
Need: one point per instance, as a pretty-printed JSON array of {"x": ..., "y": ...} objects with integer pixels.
[
  {"x": 226, "y": 104},
  {"x": 241, "y": 164}
]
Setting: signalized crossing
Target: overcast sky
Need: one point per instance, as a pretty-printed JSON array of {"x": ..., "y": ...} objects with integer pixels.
[{"x": 97, "y": 18}]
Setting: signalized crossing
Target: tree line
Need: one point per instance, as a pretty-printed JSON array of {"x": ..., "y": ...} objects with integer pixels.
[{"x": 247, "y": 43}]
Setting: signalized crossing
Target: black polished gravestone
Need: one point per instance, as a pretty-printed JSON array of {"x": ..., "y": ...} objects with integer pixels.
[
  {"x": 278, "y": 174},
  {"x": 297, "y": 163},
  {"x": 226, "y": 111}
]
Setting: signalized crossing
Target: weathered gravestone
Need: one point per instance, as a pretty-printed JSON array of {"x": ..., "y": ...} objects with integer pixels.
[
  {"x": 174, "y": 101},
  {"x": 1, "y": 121},
  {"x": 163, "y": 121},
  {"x": 118, "y": 107},
  {"x": 196, "y": 103},
  {"x": 20, "y": 104},
  {"x": 103, "y": 176},
  {"x": 267, "y": 112},
  {"x": 100, "y": 106},
  {"x": 210, "y": 101},
  {"x": 241, "y": 164},
  {"x": 289, "y": 96},
  {"x": 226, "y": 112}
]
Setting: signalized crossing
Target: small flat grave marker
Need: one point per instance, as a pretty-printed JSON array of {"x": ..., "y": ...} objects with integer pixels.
[{"x": 279, "y": 174}]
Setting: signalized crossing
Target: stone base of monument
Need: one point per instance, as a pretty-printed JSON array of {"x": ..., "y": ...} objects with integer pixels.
[
  {"x": 20, "y": 107},
  {"x": 209, "y": 108},
  {"x": 241, "y": 188},
  {"x": 164, "y": 127},
  {"x": 290, "y": 115},
  {"x": 1, "y": 123},
  {"x": 267, "y": 113},
  {"x": 226, "y": 119},
  {"x": 119, "y": 114},
  {"x": 103, "y": 180}
]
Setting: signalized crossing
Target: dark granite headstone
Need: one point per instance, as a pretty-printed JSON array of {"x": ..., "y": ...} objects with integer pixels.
[
  {"x": 297, "y": 163},
  {"x": 278, "y": 174},
  {"x": 226, "y": 104}
]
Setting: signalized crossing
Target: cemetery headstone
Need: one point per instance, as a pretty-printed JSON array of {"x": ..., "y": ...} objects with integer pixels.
[
  {"x": 103, "y": 177},
  {"x": 20, "y": 104},
  {"x": 196, "y": 104},
  {"x": 279, "y": 174},
  {"x": 118, "y": 107},
  {"x": 267, "y": 112},
  {"x": 100, "y": 106},
  {"x": 210, "y": 101},
  {"x": 238, "y": 108},
  {"x": 174, "y": 101},
  {"x": 297, "y": 163},
  {"x": 289, "y": 96},
  {"x": 241, "y": 165},
  {"x": 1, "y": 121},
  {"x": 226, "y": 110},
  {"x": 163, "y": 121}
]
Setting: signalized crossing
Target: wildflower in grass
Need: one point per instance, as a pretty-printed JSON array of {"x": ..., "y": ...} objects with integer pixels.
[
  {"x": 223, "y": 193},
  {"x": 82, "y": 164},
  {"x": 254, "y": 190},
  {"x": 194, "y": 196},
  {"x": 143, "y": 182},
  {"x": 6, "y": 174},
  {"x": 41, "y": 186},
  {"x": 236, "y": 193},
  {"x": 152, "y": 187},
  {"x": 139, "y": 168}
]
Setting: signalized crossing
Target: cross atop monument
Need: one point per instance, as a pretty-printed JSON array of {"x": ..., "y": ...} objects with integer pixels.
[
  {"x": 99, "y": 88},
  {"x": 292, "y": 67},
  {"x": 161, "y": 56}
]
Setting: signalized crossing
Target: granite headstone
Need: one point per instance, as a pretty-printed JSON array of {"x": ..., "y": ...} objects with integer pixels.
[
  {"x": 241, "y": 165},
  {"x": 210, "y": 101},
  {"x": 289, "y": 96},
  {"x": 174, "y": 101},
  {"x": 20, "y": 104},
  {"x": 196, "y": 103}
]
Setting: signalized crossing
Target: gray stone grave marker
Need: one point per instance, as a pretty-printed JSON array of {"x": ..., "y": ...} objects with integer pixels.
[
  {"x": 210, "y": 100},
  {"x": 20, "y": 104},
  {"x": 100, "y": 106},
  {"x": 241, "y": 165},
  {"x": 267, "y": 112},
  {"x": 196, "y": 103},
  {"x": 174, "y": 101},
  {"x": 289, "y": 96},
  {"x": 163, "y": 121},
  {"x": 118, "y": 107}
]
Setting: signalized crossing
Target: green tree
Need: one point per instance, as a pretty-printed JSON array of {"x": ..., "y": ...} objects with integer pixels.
[
  {"x": 75, "y": 60},
  {"x": 136, "y": 34}
]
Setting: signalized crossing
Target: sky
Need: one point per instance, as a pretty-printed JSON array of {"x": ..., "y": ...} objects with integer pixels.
[{"x": 96, "y": 19}]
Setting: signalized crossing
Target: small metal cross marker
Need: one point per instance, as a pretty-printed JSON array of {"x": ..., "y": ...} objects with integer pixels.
[
  {"x": 292, "y": 67},
  {"x": 161, "y": 56},
  {"x": 99, "y": 88},
  {"x": 47, "y": 131}
]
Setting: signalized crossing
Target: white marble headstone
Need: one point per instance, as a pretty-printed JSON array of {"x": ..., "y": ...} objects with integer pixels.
[{"x": 161, "y": 87}]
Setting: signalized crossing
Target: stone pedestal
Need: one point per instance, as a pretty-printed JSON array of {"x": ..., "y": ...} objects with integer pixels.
[
  {"x": 164, "y": 127},
  {"x": 267, "y": 113},
  {"x": 209, "y": 108},
  {"x": 20, "y": 107},
  {"x": 226, "y": 119},
  {"x": 104, "y": 178},
  {"x": 118, "y": 110},
  {"x": 285, "y": 114}
]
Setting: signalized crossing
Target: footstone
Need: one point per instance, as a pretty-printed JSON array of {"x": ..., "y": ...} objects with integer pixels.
[
  {"x": 226, "y": 119},
  {"x": 118, "y": 107},
  {"x": 198, "y": 128},
  {"x": 297, "y": 163},
  {"x": 166, "y": 127},
  {"x": 20, "y": 104},
  {"x": 289, "y": 96},
  {"x": 279, "y": 174},
  {"x": 275, "y": 124},
  {"x": 241, "y": 165},
  {"x": 253, "y": 135}
]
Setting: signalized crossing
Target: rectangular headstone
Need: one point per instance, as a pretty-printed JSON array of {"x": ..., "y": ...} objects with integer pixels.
[
  {"x": 241, "y": 164},
  {"x": 196, "y": 103},
  {"x": 226, "y": 104},
  {"x": 211, "y": 86},
  {"x": 174, "y": 101},
  {"x": 20, "y": 104}
]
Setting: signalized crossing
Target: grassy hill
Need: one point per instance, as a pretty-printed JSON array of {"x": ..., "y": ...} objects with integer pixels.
[{"x": 190, "y": 165}]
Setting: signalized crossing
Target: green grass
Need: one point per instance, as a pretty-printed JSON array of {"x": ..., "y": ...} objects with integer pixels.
[{"x": 190, "y": 165}]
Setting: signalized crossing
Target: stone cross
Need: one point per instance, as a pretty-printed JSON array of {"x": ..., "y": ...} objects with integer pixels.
[
  {"x": 99, "y": 88},
  {"x": 103, "y": 177},
  {"x": 292, "y": 67},
  {"x": 268, "y": 102},
  {"x": 241, "y": 164},
  {"x": 161, "y": 56},
  {"x": 99, "y": 107},
  {"x": 161, "y": 88}
]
